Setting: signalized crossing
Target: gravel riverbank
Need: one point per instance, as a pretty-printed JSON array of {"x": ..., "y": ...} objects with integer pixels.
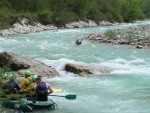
[
  {"x": 24, "y": 26},
  {"x": 138, "y": 36}
]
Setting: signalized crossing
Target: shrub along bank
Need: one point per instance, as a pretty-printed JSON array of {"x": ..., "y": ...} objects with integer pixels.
[{"x": 59, "y": 12}]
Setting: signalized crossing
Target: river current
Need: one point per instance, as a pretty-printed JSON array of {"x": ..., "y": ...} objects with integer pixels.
[{"x": 125, "y": 90}]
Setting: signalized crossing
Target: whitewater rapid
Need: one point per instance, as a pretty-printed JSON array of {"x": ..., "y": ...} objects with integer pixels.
[{"x": 124, "y": 90}]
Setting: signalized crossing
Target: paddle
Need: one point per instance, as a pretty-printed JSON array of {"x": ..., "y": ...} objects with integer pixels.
[
  {"x": 57, "y": 90},
  {"x": 70, "y": 96}
]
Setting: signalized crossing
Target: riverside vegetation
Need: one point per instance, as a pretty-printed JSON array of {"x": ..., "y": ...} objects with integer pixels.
[
  {"x": 137, "y": 36},
  {"x": 60, "y": 12}
]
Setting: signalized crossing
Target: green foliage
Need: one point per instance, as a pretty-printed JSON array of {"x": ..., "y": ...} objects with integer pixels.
[
  {"x": 133, "y": 10},
  {"x": 147, "y": 8},
  {"x": 110, "y": 34},
  {"x": 9, "y": 17},
  {"x": 65, "y": 17},
  {"x": 94, "y": 13},
  {"x": 81, "y": 8},
  {"x": 45, "y": 17},
  {"x": 48, "y": 11},
  {"x": 4, "y": 18},
  {"x": 147, "y": 38},
  {"x": 129, "y": 35}
]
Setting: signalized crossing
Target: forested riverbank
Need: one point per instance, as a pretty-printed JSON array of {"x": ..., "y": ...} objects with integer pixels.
[{"x": 61, "y": 12}]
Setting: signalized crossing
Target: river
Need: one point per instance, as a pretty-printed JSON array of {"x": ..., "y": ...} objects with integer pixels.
[{"x": 125, "y": 90}]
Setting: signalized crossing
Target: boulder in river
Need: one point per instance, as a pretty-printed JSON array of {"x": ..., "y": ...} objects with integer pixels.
[
  {"x": 139, "y": 46},
  {"x": 19, "y": 64},
  {"x": 85, "y": 70}
]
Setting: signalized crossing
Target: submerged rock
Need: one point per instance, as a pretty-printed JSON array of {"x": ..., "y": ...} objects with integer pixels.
[
  {"x": 20, "y": 63},
  {"x": 85, "y": 70}
]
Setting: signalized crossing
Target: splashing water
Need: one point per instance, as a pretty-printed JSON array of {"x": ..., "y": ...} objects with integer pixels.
[{"x": 125, "y": 90}]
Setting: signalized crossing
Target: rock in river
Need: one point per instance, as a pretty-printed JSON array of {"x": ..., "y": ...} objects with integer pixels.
[
  {"x": 85, "y": 70},
  {"x": 19, "y": 64}
]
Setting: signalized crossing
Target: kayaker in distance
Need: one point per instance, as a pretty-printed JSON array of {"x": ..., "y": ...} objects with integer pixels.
[
  {"x": 42, "y": 90},
  {"x": 78, "y": 42}
]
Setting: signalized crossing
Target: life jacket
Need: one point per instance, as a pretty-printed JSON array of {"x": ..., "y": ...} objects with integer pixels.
[
  {"x": 3, "y": 83},
  {"x": 41, "y": 88},
  {"x": 30, "y": 88},
  {"x": 11, "y": 87},
  {"x": 26, "y": 82}
]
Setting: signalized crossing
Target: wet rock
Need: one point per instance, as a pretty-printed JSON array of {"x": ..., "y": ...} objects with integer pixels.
[
  {"x": 78, "y": 69},
  {"x": 139, "y": 46},
  {"x": 85, "y": 70},
  {"x": 20, "y": 63}
]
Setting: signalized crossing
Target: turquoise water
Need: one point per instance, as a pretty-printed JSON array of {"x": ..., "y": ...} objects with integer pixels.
[{"x": 125, "y": 90}]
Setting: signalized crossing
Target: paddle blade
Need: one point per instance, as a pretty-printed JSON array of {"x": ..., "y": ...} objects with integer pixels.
[
  {"x": 57, "y": 90},
  {"x": 71, "y": 97}
]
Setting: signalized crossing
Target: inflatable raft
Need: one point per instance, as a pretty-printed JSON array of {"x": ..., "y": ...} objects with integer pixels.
[{"x": 26, "y": 105}]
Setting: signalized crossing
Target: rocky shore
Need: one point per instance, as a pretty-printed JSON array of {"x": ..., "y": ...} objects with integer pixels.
[
  {"x": 89, "y": 23},
  {"x": 24, "y": 26},
  {"x": 136, "y": 36},
  {"x": 19, "y": 63}
]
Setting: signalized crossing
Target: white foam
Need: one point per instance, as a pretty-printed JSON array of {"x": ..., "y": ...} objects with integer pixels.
[
  {"x": 119, "y": 66},
  {"x": 59, "y": 66},
  {"x": 43, "y": 45},
  {"x": 68, "y": 31},
  {"x": 2, "y": 39},
  {"x": 122, "y": 66}
]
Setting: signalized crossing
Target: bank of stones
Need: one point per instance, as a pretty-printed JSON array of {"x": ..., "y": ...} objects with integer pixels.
[{"x": 136, "y": 36}]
